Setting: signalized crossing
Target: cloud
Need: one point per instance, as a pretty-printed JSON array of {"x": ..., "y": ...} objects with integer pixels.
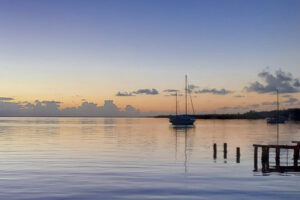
[
  {"x": 124, "y": 94},
  {"x": 192, "y": 87},
  {"x": 6, "y": 99},
  {"x": 9, "y": 109},
  {"x": 291, "y": 101},
  {"x": 239, "y": 108},
  {"x": 109, "y": 109},
  {"x": 131, "y": 111},
  {"x": 287, "y": 96},
  {"x": 281, "y": 80},
  {"x": 173, "y": 95},
  {"x": 253, "y": 106},
  {"x": 51, "y": 102},
  {"x": 170, "y": 90},
  {"x": 239, "y": 96},
  {"x": 296, "y": 82},
  {"x": 214, "y": 91},
  {"x": 41, "y": 108},
  {"x": 140, "y": 91},
  {"x": 146, "y": 91},
  {"x": 52, "y": 108},
  {"x": 269, "y": 103}
]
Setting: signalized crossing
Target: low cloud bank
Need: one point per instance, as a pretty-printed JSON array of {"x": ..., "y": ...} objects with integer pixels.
[{"x": 52, "y": 108}]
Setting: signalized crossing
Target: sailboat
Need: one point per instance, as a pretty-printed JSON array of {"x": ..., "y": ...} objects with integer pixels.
[
  {"x": 277, "y": 119},
  {"x": 182, "y": 120}
]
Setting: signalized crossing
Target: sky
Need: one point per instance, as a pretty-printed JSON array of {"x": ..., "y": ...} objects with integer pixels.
[{"x": 235, "y": 53}]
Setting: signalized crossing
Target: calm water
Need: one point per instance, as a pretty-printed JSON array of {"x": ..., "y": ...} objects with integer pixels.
[{"x": 126, "y": 158}]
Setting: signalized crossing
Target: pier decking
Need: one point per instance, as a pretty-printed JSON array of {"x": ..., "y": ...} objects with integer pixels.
[{"x": 265, "y": 157}]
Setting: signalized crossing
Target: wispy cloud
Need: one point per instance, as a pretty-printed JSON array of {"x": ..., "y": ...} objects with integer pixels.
[
  {"x": 291, "y": 101},
  {"x": 239, "y": 108},
  {"x": 124, "y": 94},
  {"x": 6, "y": 99},
  {"x": 239, "y": 96},
  {"x": 214, "y": 91},
  {"x": 192, "y": 87},
  {"x": 281, "y": 80},
  {"x": 272, "y": 103},
  {"x": 287, "y": 96},
  {"x": 147, "y": 91},
  {"x": 137, "y": 92},
  {"x": 170, "y": 90}
]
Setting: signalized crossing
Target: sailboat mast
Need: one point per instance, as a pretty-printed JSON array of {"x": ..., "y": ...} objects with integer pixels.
[
  {"x": 176, "y": 104},
  {"x": 277, "y": 121},
  {"x": 186, "y": 94},
  {"x": 277, "y": 104}
]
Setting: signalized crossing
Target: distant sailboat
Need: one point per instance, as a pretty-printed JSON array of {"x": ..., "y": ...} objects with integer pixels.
[
  {"x": 277, "y": 119},
  {"x": 182, "y": 120}
]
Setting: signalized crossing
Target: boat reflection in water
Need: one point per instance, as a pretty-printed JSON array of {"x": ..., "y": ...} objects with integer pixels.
[{"x": 180, "y": 133}]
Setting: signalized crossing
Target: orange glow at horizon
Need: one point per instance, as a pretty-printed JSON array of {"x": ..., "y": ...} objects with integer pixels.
[{"x": 157, "y": 103}]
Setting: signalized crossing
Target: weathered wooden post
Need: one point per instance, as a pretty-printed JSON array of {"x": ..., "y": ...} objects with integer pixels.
[
  {"x": 265, "y": 159},
  {"x": 225, "y": 151},
  {"x": 267, "y": 151},
  {"x": 296, "y": 157},
  {"x": 277, "y": 158},
  {"x": 215, "y": 151},
  {"x": 255, "y": 158},
  {"x": 238, "y": 154}
]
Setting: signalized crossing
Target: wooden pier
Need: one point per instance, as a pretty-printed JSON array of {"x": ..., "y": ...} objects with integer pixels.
[{"x": 265, "y": 157}]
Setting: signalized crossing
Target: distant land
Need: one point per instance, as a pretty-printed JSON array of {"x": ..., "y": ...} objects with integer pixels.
[{"x": 290, "y": 114}]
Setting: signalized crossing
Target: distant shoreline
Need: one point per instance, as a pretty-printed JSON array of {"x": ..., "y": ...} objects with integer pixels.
[{"x": 290, "y": 114}]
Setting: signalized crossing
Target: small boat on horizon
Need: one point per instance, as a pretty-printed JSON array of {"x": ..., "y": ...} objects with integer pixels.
[{"x": 182, "y": 120}]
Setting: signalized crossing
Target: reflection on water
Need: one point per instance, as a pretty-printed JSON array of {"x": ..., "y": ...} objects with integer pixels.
[
  {"x": 182, "y": 133},
  {"x": 128, "y": 158}
]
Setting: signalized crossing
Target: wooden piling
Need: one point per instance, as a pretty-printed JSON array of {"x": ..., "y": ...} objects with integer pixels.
[
  {"x": 255, "y": 158},
  {"x": 296, "y": 157},
  {"x": 277, "y": 158},
  {"x": 225, "y": 151},
  {"x": 215, "y": 151},
  {"x": 265, "y": 159},
  {"x": 238, "y": 155},
  {"x": 267, "y": 152}
]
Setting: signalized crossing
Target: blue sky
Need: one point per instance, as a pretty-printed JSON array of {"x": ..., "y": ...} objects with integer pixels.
[{"x": 93, "y": 49}]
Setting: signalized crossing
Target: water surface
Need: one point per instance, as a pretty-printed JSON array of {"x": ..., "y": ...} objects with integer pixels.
[{"x": 138, "y": 158}]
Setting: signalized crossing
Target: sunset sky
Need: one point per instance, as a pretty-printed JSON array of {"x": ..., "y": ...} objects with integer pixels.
[{"x": 89, "y": 51}]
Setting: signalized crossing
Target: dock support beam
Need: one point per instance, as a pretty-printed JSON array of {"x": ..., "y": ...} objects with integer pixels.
[
  {"x": 225, "y": 151},
  {"x": 255, "y": 158},
  {"x": 296, "y": 158},
  {"x": 277, "y": 158},
  {"x": 265, "y": 159},
  {"x": 238, "y": 155},
  {"x": 215, "y": 151}
]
